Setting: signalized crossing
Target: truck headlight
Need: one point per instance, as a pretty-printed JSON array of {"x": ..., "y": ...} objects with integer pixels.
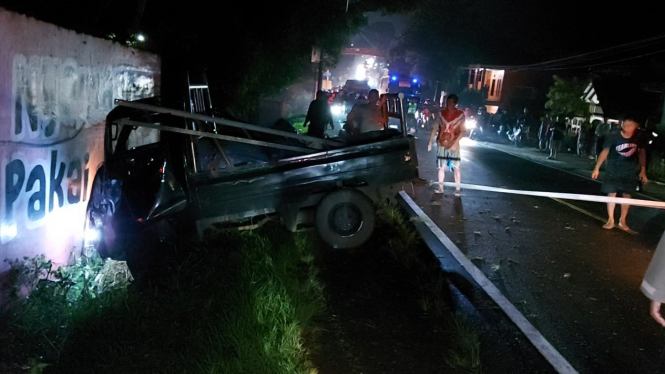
[{"x": 470, "y": 124}]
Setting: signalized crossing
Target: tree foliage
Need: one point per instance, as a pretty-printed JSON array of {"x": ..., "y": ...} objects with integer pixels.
[
  {"x": 565, "y": 98},
  {"x": 441, "y": 38}
]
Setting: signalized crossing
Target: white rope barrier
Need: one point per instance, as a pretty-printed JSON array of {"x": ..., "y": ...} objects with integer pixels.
[{"x": 558, "y": 195}]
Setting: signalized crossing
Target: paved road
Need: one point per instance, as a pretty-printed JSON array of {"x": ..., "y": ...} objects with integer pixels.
[{"x": 577, "y": 283}]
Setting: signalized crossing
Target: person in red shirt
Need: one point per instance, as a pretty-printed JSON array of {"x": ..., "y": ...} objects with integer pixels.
[{"x": 450, "y": 130}]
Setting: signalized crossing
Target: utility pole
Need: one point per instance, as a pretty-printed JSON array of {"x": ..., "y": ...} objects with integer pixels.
[
  {"x": 319, "y": 82},
  {"x": 317, "y": 57}
]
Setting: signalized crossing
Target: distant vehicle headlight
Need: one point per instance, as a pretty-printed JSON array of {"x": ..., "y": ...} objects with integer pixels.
[
  {"x": 470, "y": 124},
  {"x": 337, "y": 109}
]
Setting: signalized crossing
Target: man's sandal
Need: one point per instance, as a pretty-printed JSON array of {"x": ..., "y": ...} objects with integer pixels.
[{"x": 627, "y": 229}]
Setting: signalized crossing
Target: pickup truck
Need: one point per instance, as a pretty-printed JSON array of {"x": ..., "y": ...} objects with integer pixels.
[{"x": 194, "y": 170}]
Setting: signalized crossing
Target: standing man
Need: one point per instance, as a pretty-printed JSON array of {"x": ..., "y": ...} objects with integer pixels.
[
  {"x": 367, "y": 117},
  {"x": 450, "y": 130},
  {"x": 318, "y": 116},
  {"x": 601, "y": 133},
  {"x": 556, "y": 137},
  {"x": 626, "y": 167}
]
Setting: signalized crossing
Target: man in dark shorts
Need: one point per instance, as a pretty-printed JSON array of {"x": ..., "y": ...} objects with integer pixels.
[{"x": 626, "y": 167}]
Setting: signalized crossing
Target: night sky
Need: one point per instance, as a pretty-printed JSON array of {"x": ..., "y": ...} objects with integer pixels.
[
  {"x": 510, "y": 32},
  {"x": 526, "y": 32}
]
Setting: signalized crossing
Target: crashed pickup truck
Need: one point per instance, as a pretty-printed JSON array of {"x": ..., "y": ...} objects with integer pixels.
[{"x": 194, "y": 170}]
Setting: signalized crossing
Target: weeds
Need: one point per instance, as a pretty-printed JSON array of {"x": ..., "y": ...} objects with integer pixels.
[
  {"x": 464, "y": 354},
  {"x": 236, "y": 303},
  {"x": 276, "y": 302}
]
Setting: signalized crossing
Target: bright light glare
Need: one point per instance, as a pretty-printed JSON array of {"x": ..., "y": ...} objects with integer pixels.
[
  {"x": 654, "y": 134},
  {"x": 415, "y": 80},
  {"x": 467, "y": 142},
  {"x": 337, "y": 109},
  {"x": 361, "y": 72},
  {"x": 140, "y": 37},
  {"x": 8, "y": 232},
  {"x": 470, "y": 124},
  {"x": 394, "y": 78},
  {"x": 370, "y": 61},
  {"x": 91, "y": 235}
]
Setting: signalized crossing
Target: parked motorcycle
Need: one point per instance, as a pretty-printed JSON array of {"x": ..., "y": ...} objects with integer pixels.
[{"x": 517, "y": 136}]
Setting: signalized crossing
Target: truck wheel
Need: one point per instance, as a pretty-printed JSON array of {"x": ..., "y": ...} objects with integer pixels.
[{"x": 345, "y": 219}]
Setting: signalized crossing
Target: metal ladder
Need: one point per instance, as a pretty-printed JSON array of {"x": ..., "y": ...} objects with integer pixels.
[{"x": 200, "y": 102}]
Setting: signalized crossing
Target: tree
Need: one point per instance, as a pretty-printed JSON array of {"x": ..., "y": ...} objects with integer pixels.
[
  {"x": 441, "y": 39},
  {"x": 565, "y": 98}
]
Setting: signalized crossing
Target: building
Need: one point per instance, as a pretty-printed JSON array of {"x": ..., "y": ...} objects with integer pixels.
[
  {"x": 611, "y": 96},
  {"x": 509, "y": 88}
]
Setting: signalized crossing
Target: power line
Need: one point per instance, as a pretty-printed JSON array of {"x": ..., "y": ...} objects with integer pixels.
[
  {"x": 584, "y": 56},
  {"x": 599, "y": 64},
  {"x": 568, "y": 62}
]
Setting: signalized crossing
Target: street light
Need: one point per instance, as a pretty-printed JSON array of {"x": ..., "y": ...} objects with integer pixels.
[{"x": 140, "y": 37}]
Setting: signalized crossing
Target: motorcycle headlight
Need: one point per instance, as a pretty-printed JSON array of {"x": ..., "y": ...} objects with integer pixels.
[{"x": 471, "y": 124}]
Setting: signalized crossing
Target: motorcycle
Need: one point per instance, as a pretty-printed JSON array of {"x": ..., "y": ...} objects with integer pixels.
[
  {"x": 424, "y": 118},
  {"x": 517, "y": 136}
]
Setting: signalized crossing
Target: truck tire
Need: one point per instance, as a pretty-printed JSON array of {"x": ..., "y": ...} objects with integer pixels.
[{"x": 345, "y": 219}]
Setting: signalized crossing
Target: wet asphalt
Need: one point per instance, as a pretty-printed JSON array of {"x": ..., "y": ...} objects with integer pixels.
[{"x": 574, "y": 281}]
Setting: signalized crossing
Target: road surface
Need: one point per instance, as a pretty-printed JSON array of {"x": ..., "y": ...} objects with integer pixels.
[{"x": 575, "y": 282}]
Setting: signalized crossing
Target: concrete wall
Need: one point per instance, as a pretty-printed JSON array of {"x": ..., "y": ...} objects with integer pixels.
[{"x": 56, "y": 87}]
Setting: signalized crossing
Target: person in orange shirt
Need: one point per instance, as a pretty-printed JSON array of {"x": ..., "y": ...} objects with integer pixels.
[{"x": 450, "y": 130}]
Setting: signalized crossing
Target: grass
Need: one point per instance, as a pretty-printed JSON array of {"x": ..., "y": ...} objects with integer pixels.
[
  {"x": 236, "y": 303},
  {"x": 297, "y": 121},
  {"x": 405, "y": 246}
]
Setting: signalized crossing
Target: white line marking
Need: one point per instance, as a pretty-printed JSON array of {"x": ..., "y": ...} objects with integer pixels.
[
  {"x": 548, "y": 351},
  {"x": 567, "y": 196},
  {"x": 486, "y": 145},
  {"x": 583, "y": 211}
]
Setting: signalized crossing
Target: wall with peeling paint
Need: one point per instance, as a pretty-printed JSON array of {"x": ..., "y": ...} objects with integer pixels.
[{"x": 56, "y": 87}]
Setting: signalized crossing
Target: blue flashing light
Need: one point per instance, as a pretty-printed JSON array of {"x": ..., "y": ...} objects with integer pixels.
[
  {"x": 415, "y": 80},
  {"x": 394, "y": 78}
]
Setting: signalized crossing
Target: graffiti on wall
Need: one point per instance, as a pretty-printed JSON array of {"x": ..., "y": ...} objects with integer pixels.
[
  {"x": 55, "y": 99},
  {"x": 55, "y": 142}
]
